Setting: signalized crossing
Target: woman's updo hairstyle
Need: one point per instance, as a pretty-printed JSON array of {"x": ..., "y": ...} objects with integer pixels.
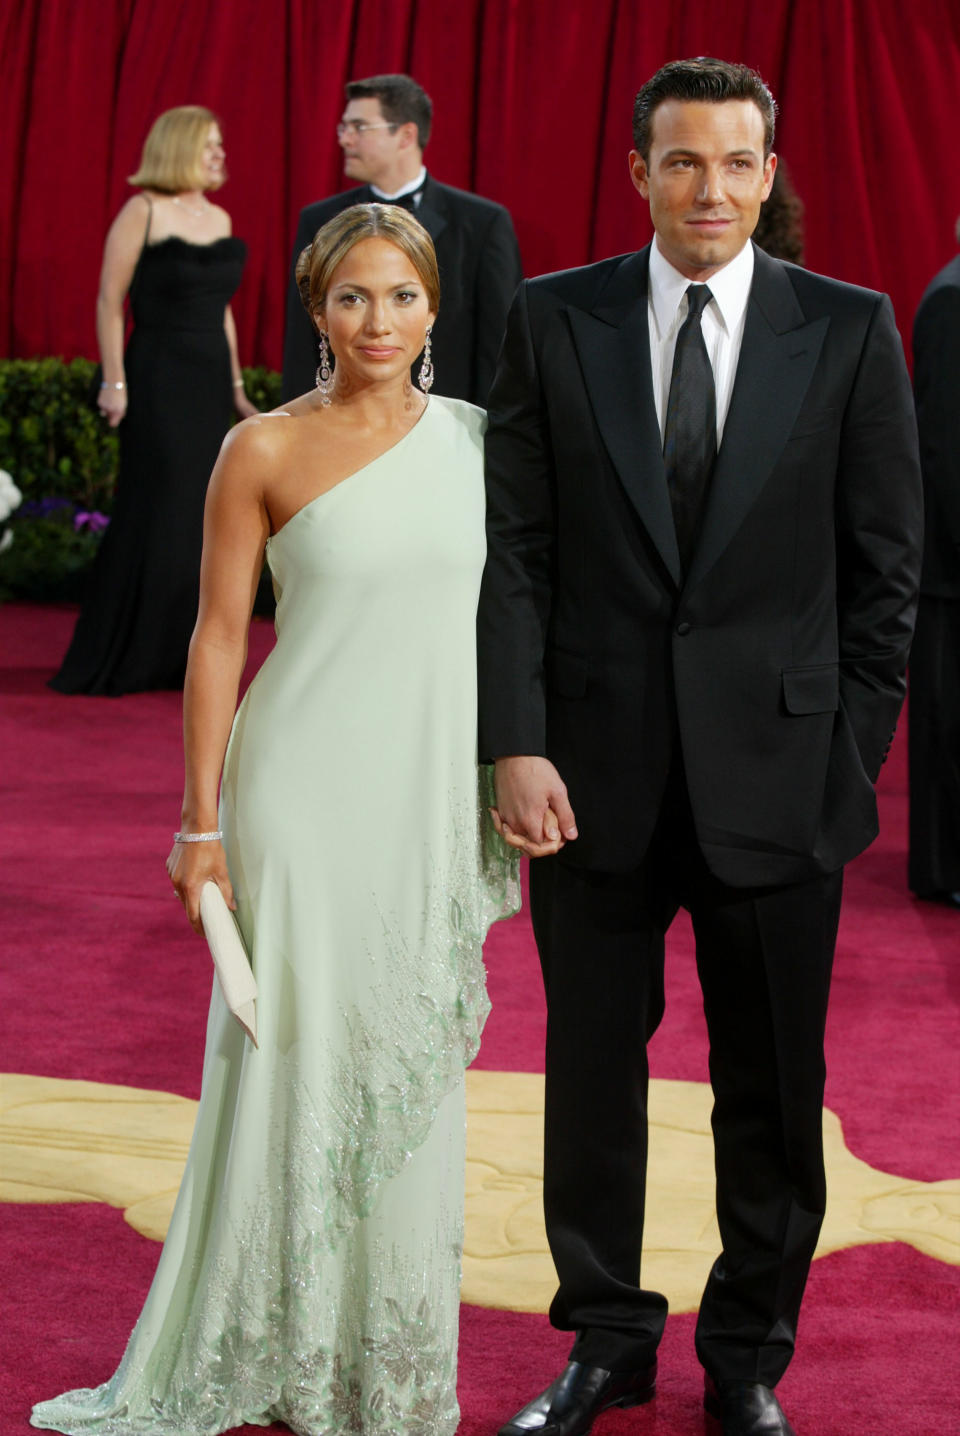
[{"x": 331, "y": 244}]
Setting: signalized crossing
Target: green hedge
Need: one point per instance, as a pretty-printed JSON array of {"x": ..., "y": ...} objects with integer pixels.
[{"x": 63, "y": 458}]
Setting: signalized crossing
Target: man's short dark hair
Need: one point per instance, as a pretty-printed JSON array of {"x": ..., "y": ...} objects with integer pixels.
[
  {"x": 402, "y": 101},
  {"x": 703, "y": 79}
]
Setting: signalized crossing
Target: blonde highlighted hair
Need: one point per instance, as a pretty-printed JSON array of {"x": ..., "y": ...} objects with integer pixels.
[
  {"x": 172, "y": 158},
  {"x": 331, "y": 244}
]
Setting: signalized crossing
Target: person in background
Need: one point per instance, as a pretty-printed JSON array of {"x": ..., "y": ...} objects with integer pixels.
[
  {"x": 703, "y": 529},
  {"x": 779, "y": 230},
  {"x": 383, "y": 133},
  {"x": 173, "y": 395},
  {"x": 934, "y": 705}
]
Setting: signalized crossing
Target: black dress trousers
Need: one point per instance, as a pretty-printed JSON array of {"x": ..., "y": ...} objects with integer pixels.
[{"x": 764, "y": 959}]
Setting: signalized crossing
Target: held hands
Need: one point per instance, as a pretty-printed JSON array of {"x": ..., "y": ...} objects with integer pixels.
[
  {"x": 190, "y": 865},
  {"x": 533, "y": 812}
]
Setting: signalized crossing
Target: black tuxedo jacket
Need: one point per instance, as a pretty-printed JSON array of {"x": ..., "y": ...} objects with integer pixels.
[
  {"x": 777, "y": 663},
  {"x": 479, "y": 264},
  {"x": 936, "y": 378}
]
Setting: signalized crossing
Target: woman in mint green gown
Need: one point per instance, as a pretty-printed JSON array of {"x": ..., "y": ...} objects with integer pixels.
[{"x": 311, "y": 1271}]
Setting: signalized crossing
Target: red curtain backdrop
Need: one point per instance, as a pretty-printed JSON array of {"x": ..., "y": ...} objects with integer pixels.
[{"x": 532, "y": 108}]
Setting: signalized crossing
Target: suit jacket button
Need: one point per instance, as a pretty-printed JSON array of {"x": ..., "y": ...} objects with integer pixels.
[{"x": 683, "y": 629}]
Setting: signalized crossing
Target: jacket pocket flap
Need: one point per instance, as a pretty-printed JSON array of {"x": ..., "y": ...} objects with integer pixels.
[
  {"x": 812, "y": 690},
  {"x": 567, "y": 674}
]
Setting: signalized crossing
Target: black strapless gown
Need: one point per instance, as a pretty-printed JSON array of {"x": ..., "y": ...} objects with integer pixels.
[{"x": 141, "y": 602}]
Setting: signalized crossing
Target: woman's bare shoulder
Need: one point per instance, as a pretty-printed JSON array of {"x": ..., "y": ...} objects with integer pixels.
[
  {"x": 133, "y": 213},
  {"x": 224, "y": 224},
  {"x": 258, "y": 437},
  {"x": 139, "y": 204},
  {"x": 273, "y": 436}
]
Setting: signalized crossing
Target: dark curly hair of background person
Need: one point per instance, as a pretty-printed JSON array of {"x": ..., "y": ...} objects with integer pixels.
[{"x": 779, "y": 229}]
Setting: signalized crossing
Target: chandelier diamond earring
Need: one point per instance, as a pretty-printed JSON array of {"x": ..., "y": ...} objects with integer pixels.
[
  {"x": 324, "y": 372},
  {"x": 425, "y": 377}
]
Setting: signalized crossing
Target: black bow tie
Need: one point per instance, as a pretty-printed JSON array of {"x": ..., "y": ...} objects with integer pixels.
[{"x": 405, "y": 201}]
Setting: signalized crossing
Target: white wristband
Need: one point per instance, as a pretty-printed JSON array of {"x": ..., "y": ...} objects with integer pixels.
[{"x": 216, "y": 837}]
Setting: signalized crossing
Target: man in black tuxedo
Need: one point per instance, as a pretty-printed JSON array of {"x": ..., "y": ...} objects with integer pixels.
[
  {"x": 934, "y": 727},
  {"x": 704, "y": 524},
  {"x": 383, "y": 132}
]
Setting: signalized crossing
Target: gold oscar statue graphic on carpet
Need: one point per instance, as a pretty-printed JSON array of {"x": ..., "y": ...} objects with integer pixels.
[{"x": 67, "y": 1141}]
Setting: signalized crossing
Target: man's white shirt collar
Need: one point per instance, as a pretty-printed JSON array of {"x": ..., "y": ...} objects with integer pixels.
[
  {"x": 724, "y": 320},
  {"x": 730, "y": 287},
  {"x": 407, "y": 188}
]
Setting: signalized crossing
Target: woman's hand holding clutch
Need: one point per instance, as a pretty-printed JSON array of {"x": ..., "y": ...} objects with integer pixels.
[{"x": 194, "y": 860}]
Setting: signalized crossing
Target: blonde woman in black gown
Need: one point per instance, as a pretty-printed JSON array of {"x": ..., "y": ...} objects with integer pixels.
[{"x": 172, "y": 394}]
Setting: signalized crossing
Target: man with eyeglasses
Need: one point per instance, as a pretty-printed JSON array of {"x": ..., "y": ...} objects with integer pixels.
[{"x": 383, "y": 132}]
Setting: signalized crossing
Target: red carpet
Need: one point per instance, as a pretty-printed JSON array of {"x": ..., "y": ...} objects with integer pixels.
[{"x": 103, "y": 980}]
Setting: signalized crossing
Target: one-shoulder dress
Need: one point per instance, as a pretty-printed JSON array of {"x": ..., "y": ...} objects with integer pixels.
[
  {"x": 311, "y": 1270},
  {"x": 141, "y": 601}
]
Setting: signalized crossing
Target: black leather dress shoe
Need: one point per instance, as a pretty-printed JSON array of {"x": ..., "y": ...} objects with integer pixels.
[
  {"x": 746, "y": 1408},
  {"x": 571, "y": 1404}
]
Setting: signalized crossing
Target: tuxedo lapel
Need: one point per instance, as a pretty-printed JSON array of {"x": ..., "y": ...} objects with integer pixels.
[
  {"x": 613, "y": 345},
  {"x": 431, "y": 211},
  {"x": 778, "y": 357}
]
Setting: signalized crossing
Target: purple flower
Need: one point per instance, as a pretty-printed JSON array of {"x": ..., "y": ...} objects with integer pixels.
[{"x": 96, "y": 522}]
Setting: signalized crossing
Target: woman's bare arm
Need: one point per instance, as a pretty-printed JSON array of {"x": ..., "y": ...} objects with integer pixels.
[
  {"x": 120, "y": 254},
  {"x": 235, "y": 529},
  {"x": 241, "y": 403}
]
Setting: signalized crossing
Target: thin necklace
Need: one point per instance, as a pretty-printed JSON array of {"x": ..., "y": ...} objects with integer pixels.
[{"x": 197, "y": 213}]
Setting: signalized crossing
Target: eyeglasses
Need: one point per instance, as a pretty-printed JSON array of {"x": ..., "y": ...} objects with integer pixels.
[{"x": 359, "y": 127}]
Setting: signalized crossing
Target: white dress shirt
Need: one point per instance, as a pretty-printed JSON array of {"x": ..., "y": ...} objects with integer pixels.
[
  {"x": 407, "y": 189},
  {"x": 722, "y": 324}
]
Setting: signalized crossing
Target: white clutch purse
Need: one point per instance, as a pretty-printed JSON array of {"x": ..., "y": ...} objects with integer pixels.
[{"x": 237, "y": 982}]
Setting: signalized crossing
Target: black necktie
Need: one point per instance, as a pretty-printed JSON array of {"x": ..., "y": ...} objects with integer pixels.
[{"x": 690, "y": 432}]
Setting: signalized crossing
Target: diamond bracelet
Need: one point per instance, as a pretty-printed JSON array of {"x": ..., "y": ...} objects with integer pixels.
[{"x": 216, "y": 837}]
